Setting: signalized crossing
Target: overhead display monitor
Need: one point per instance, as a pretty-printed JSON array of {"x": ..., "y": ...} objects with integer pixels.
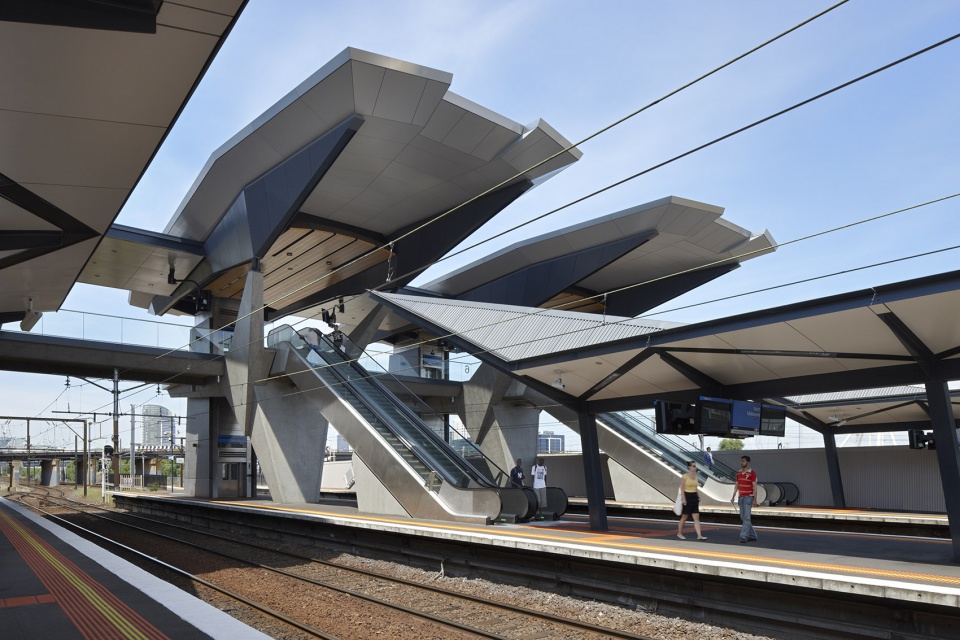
[
  {"x": 674, "y": 417},
  {"x": 714, "y": 416},
  {"x": 773, "y": 420},
  {"x": 745, "y": 420}
]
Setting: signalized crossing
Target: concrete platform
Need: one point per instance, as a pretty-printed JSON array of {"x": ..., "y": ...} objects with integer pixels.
[
  {"x": 907, "y": 569},
  {"x": 54, "y": 584},
  {"x": 823, "y": 518}
]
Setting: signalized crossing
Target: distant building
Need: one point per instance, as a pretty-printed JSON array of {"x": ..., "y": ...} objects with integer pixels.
[
  {"x": 550, "y": 442},
  {"x": 342, "y": 444},
  {"x": 158, "y": 422}
]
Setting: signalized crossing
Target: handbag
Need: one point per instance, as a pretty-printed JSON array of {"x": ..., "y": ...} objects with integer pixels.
[{"x": 678, "y": 505}]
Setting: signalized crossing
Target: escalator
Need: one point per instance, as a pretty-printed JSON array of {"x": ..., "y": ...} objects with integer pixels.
[
  {"x": 635, "y": 443},
  {"x": 419, "y": 470},
  {"x": 644, "y": 466}
]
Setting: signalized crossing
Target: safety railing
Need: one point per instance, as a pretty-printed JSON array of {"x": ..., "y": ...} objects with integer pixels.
[
  {"x": 463, "y": 445},
  {"x": 99, "y": 327}
]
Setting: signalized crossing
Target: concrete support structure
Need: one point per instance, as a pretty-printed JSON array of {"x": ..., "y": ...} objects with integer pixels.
[
  {"x": 499, "y": 419},
  {"x": 833, "y": 468},
  {"x": 200, "y": 447},
  {"x": 289, "y": 435},
  {"x": 366, "y": 330},
  {"x": 14, "y": 473},
  {"x": 287, "y": 431},
  {"x": 203, "y": 407},
  {"x": 247, "y": 361},
  {"x": 50, "y": 473}
]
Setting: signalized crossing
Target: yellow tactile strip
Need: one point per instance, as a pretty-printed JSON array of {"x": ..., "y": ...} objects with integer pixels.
[{"x": 609, "y": 540}]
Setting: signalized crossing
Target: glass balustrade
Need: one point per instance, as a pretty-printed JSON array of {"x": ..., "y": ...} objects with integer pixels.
[{"x": 85, "y": 325}]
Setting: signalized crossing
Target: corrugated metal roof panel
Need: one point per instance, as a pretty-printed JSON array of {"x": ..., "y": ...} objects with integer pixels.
[
  {"x": 859, "y": 394},
  {"x": 517, "y": 333}
]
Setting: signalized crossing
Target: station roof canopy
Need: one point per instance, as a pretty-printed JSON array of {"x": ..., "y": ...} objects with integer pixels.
[
  {"x": 90, "y": 90},
  {"x": 324, "y": 186},
  {"x": 866, "y": 410},
  {"x": 890, "y": 335},
  {"x": 571, "y": 268}
]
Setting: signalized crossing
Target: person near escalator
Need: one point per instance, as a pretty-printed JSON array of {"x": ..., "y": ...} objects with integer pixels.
[
  {"x": 746, "y": 487},
  {"x": 516, "y": 475},
  {"x": 337, "y": 336},
  {"x": 539, "y": 473},
  {"x": 690, "y": 497}
]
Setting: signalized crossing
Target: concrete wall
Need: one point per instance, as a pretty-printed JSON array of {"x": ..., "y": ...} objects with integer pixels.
[{"x": 894, "y": 478}]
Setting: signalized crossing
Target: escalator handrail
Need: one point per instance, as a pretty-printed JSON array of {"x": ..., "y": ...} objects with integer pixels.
[
  {"x": 414, "y": 424},
  {"x": 716, "y": 469},
  {"x": 415, "y": 420},
  {"x": 403, "y": 407},
  {"x": 412, "y": 418},
  {"x": 621, "y": 425},
  {"x": 428, "y": 462},
  {"x": 628, "y": 425}
]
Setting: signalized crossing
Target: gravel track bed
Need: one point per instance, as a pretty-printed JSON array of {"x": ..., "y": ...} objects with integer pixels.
[{"x": 348, "y": 617}]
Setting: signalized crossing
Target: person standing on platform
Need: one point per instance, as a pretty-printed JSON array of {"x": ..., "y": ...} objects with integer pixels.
[
  {"x": 539, "y": 473},
  {"x": 747, "y": 488},
  {"x": 690, "y": 492},
  {"x": 516, "y": 475},
  {"x": 337, "y": 336},
  {"x": 708, "y": 457}
]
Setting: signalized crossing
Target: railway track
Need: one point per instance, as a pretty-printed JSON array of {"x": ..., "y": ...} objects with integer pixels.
[{"x": 437, "y": 612}]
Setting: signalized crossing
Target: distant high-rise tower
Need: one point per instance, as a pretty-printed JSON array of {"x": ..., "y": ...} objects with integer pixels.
[{"x": 158, "y": 422}]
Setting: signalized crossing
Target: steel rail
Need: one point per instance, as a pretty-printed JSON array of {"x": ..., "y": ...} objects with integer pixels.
[
  {"x": 585, "y": 626},
  {"x": 236, "y": 596}
]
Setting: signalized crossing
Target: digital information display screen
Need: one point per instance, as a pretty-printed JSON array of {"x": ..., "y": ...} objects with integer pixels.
[
  {"x": 714, "y": 415},
  {"x": 773, "y": 421},
  {"x": 746, "y": 418}
]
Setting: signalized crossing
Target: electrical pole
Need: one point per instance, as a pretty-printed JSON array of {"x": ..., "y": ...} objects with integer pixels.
[
  {"x": 116, "y": 427},
  {"x": 86, "y": 457}
]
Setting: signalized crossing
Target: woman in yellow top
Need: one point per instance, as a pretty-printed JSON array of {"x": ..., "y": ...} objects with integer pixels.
[{"x": 689, "y": 487}]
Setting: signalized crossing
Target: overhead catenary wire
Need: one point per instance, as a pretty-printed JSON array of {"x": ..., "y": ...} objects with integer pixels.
[
  {"x": 835, "y": 229},
  {"x": 615, "y": 322},
  {"x": 732, "y": 296},
  {"x": 926, "y": 49},
  {"x": 622, "y": 181},
  {"x": 517, "y": 175}
]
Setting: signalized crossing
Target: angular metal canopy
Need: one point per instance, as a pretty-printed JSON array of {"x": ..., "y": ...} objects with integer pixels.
[
  {"x": 859, "y": 340},
  {"x": 573, "y": 268},
  {"x": 89, "y": 93}
]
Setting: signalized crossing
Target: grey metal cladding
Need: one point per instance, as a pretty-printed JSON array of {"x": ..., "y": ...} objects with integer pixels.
[
  {"x": 428, "y": 244},
  {"x": 636, "y": 300},
  {"x": 535, "y": 284},
  {"x": 265, "y": 207},
  {"x": 229, "y": 244}
]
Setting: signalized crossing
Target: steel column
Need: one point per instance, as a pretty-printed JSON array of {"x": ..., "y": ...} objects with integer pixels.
[
  {"x": 948, "y": 455},
  {"x": 833, "y": 468},
  {"x": 116, "y": 430},
  {"x": 596, "y": 501}
]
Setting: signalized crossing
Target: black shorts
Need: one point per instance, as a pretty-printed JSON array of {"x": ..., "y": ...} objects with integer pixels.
[{"x": 693, "y": 503}]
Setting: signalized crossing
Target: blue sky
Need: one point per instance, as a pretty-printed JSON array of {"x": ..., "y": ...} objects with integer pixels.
[{"x": 883, "y": 144}]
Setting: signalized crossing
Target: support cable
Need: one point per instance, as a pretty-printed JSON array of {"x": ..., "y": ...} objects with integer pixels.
[
  {"x": 508, "y": 180},
  {"x": 716, "y": 140}
]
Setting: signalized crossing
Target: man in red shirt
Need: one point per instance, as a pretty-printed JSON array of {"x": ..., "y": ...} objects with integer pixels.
[{"x": 747, "y": 488}]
